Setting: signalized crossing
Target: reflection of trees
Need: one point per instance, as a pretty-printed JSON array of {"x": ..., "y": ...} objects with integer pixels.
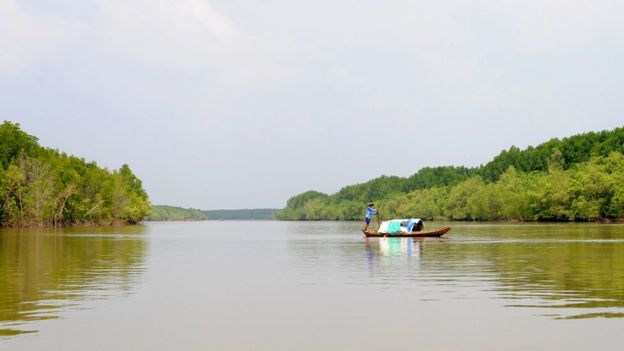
[
  {"x": 573, "y": 274},
  {"x": 42, "y": 270},
  {"x": 555, "y": 267}
]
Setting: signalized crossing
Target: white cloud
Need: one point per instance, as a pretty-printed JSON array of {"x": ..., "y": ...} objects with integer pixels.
[
  {"x": 293, "y": 85},
  {"x": 173, "y": 33},
  {"x": 558, "y": 26},
  {"x": 27, "y": 37},
  {"x": 187, "y": 36}
]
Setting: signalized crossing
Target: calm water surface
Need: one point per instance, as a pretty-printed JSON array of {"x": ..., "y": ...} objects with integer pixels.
[{"x": 312, "y": 286}]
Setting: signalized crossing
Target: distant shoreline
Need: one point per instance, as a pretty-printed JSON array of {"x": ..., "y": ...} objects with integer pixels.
[{"x": 174, "y": 213}]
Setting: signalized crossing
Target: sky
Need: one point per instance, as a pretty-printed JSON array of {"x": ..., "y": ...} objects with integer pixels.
[{"x": 227, "y": 104}]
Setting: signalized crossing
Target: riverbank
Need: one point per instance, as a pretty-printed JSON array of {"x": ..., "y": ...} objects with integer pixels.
[
  {"x": 577, "y": 178},
  {"x": 43, "y": 187}
]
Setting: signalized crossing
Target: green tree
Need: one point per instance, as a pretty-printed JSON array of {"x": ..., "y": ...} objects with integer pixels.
[
  {"x": 14, "y": 141},
  {"x": 575, "y": 178},
  {"x": 43, "y": 187}
]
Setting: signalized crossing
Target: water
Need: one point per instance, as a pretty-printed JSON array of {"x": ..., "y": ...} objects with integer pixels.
[{"x": 312, "y": 286}]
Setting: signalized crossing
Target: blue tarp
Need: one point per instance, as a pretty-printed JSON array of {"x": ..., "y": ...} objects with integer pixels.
[{"x": 412, "y": 222}]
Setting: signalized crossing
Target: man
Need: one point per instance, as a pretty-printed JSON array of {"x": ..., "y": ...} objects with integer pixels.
[{"x": 370, "y": 211}]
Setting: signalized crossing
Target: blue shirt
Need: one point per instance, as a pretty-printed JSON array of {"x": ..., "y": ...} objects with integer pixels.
[{"x": 369, "y": 212}]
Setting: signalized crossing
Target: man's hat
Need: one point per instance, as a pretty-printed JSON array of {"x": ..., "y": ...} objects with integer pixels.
[{"x": 371, "y": 204}]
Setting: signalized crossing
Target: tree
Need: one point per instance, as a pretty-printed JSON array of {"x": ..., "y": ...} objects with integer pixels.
[
  {"x": 43, "y": 187},
  {"x": 14, "y": 141},
  {"x": 575, "y": 178}
]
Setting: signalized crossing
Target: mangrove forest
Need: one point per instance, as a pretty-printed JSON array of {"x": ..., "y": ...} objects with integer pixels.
[
  {"x": 173, "y": 213},
  {"x": 579, "y": 178},
  {"x": 40, "y": 186}
]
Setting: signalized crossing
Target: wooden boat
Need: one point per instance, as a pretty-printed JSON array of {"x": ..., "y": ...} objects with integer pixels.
[{"x": 423, "y": 233}]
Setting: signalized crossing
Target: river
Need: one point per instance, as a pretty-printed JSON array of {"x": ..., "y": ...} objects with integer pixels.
[{"x": 268, "y": 285}]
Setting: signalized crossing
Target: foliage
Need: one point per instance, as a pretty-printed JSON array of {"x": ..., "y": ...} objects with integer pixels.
[
  {"x": 574, "y": 179},
  {"x": 572, "y": 150},
  {"x": 172, "y": 213},
  {"x": 242, "y": 214},
  {"x": 295, "y": 206},
  {"x": 43, "y": 187}
]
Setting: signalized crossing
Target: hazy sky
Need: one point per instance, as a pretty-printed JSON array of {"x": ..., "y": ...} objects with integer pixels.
[{"x": 241, "y": 104}]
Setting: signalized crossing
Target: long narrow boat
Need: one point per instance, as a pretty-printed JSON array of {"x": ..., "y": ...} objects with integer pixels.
[{"x": 423, "y": 233}]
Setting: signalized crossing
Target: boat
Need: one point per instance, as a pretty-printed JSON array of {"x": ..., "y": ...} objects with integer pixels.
[{"x": 423, "y": 233}]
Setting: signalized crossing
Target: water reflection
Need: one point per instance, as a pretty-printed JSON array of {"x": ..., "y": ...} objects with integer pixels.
[
  {"x": 45, "y": 271},
  {"x": 571, "y": 275},
  {"x": 571, "y": 272},
  {"x": 389, "y": 246}
]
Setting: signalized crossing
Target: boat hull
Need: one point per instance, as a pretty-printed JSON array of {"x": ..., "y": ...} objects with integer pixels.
[{"x": 425, "y": 233}]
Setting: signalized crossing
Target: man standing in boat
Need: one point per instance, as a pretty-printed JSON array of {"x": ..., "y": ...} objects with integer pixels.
[{"x": 370, "y": 211}]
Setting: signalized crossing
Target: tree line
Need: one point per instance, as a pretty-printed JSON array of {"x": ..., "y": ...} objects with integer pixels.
[
  {"x": 172, "y": 213},
  {"x": 578, "y": 178},
  {"x": 44, "y": 187},
  {"x": 242, "y": 214}
]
